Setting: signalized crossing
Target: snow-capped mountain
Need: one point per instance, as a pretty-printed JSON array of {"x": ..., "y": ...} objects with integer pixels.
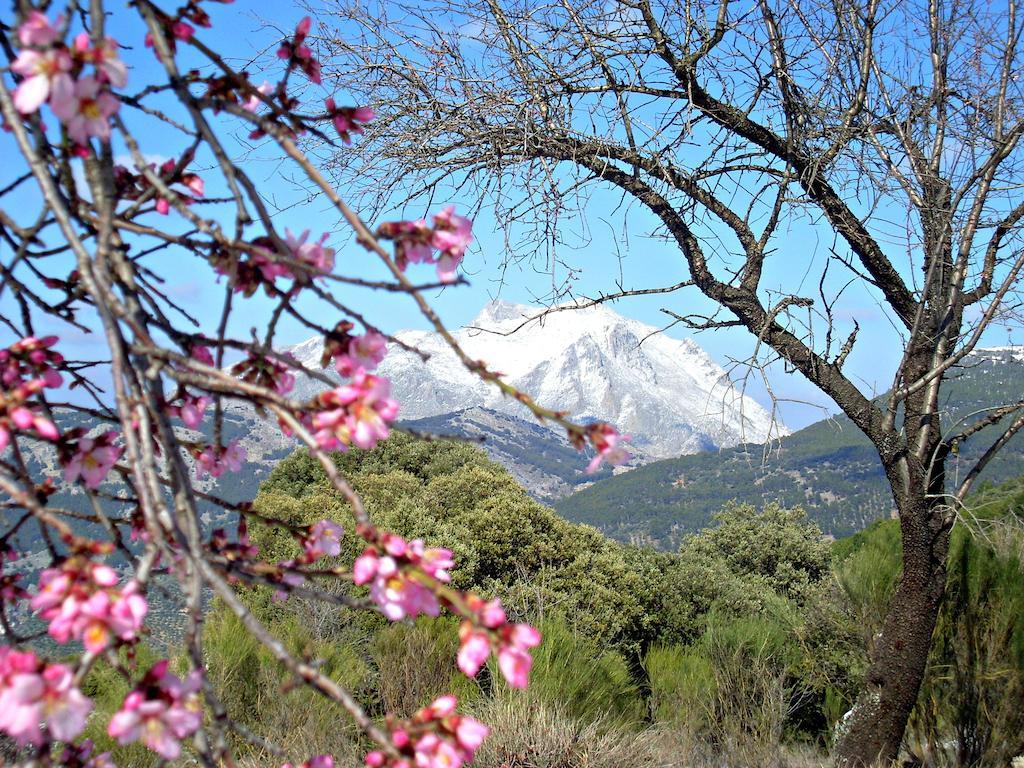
[{"x": 669, "y": 395}]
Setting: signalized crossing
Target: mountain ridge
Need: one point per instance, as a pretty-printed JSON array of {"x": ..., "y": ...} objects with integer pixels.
[{"x": 667, "y": 394}]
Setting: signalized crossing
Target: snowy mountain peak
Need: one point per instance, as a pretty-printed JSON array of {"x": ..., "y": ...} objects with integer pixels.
[{"x": 593, "y": 363}]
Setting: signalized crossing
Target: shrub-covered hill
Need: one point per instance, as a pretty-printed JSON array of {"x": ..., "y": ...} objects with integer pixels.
[{"x": 828, "y": 468}]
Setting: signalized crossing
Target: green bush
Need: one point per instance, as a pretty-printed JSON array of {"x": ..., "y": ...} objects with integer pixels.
[{"x": 579, "y": 678}]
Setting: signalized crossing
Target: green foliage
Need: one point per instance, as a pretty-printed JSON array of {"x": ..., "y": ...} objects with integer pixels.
[
  {"x": 504, "y": 542},
  {"x": 775, "y": 545},
  {"x": 754, "y": 633},
  {"x": 829, "y": 468},
  {"x": 975, "y": 676},
  {"x": 416, "y": 664},
  {"x": 681, "y": 681},
  {"x": 585, "y": 681}
]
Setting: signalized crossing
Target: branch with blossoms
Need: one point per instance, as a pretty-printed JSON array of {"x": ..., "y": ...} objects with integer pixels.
[{"x": 95, "y": 239}]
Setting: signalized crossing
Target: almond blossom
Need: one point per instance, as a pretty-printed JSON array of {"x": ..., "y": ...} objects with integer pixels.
[
  {"x": 215, "y": 460},
  {"x": 435, "y": 737},
  {"x": 354, "y": 414},
  {"x": 160, "y": 712},
  {"x": 347, "y": 120},
  {"x": 23, "y": 418},
  {"x": 80, "y": 602},
  {"x": 487, "y": 629},
  {"x": 452, "y": 234},
  {"x": 416, "y": 241},
  {"x": 109, "y": 67},
  {"x": 85, "y": 107},
  {"x": 314, "y": 254},
  {"x": 298, "y": 53},
  {"x": 606, "y": 440},
  {"x": 364, "y": 352},
  {"x": 92, "y": 459},
  {"x": 324, "y": 539},
  {"x": 191, "y": 409},
  {"x": 37, "y": 31},
  {"x": 34, "y": 696},
  {"x": 391, "y": 575},
  {"x": 45, "y": 73},
  {"x": 31, "y": 358}
]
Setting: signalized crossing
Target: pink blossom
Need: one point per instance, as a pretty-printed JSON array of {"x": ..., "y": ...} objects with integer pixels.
[
  {"x": 396, "y": 593},
  {"x": 46, "y": 74},
  {"x": 80, "y": 602},
  {"x": 433, "y": 561},
  {"x": 23, "y": 418},
  {"x": 606, "y": 441},
  {"x": 37, "y": 31},
  {"x": 435, "y": 752},
  {"x": 28, "y": 360},
  {"x": 435, "y": 737},
  {"x": 365, "y": 567},
  {"x": 92, "y": 459},
  {"x": 452, "y": 234},
  {"x": 365, "y": 351},
  {"x": 202, "y": 354},
  {"x": 355, "y": 414},
  {"x": 314, "y": 254},
  {"x": 253, "y": 102},
  {"x": 485, "y": 627},
  {"x": 160, "y": 712},
  {"x": 400, "y": 597},
  {"x": 324, "y": 539},
  {"x": 470, "y": 733},
  {"x": 473, "y": 652},
  {"x": 182, "y": 30},
  {"x": 299, "y": 54},
  {"x": 85, "y": 108},
  {"x": 33, "y": 696},
  {"x": 216, "y": 460},
  {"x": 191, "y": 409},
  {"x": 109, "y": 68},
  {"x": 347, "y": 120}
]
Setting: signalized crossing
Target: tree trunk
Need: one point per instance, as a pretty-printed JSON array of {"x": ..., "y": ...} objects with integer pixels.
[{"x": 873, "y": 732}]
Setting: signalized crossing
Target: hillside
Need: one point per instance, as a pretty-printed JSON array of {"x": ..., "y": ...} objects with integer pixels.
[{"x": 829, "y": 468}]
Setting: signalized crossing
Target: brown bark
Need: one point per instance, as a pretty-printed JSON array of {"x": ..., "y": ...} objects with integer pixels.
[{"x": 874, "y": 731}]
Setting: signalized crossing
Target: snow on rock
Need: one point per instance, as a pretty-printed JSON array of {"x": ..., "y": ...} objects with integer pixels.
[{"x": 669, "y": 395}]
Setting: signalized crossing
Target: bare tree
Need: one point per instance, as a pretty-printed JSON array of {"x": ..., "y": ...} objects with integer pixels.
[{"x": 894, "y": 127}]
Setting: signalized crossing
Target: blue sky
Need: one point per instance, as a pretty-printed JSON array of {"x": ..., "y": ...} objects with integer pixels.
[{"x": 609, "y": 246}]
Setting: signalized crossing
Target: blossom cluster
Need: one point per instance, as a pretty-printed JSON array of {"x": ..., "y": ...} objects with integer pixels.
[
  {"x": 443, "y": 244},
  {"x": 52, "y": 72},
  {"x": 39, "y": 701},
  {"x": 390, "y": 568},
  {"x": 81, "y": 601},
  {"x": 297, "y": 53},
  {"x": 357, "y": 413},
  {"x": 27, "y": 367},
  {"x": 485, "y": 627},
  {"x": 215, "y": 460},
  {"x": 160, "y": 712},
  {"x": 435, "y": 737},
  {"x": 265, "y": 261},
  {"x": 132, "y": 186}
]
